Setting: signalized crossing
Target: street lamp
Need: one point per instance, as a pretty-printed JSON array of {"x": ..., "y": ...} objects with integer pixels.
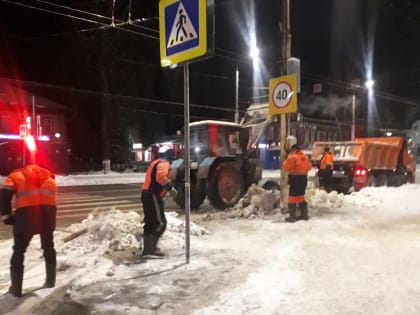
[
  {"x": 254, "y": 55},
  {"x": 368, "y": 84}
]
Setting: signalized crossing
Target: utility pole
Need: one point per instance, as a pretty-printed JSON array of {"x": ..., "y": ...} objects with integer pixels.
[
  {"x": 285, "y": 54},
  {"x": 237, "y": 94}
]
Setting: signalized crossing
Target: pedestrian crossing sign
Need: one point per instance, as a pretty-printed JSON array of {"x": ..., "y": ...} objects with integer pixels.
[{"x": 183, "y": 26}]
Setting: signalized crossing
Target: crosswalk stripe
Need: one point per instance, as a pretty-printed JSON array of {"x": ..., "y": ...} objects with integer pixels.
[
  {"x": 82, "y": 215},
  {"x": 72, "y": 205},
  {"x": 87, "y": 198},
  {"x": 88, "y": 209}
]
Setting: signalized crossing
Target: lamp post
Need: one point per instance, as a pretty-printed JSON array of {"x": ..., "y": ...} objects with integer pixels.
[
  {"x": 237, "y": 94},
  {"x": 254, "y": 55},
  {"x": 353, "y": 117},
  {"x": 368, "y": 84}
]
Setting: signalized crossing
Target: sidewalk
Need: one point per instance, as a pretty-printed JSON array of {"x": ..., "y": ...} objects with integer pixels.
[{"x": 100, "y": 178}]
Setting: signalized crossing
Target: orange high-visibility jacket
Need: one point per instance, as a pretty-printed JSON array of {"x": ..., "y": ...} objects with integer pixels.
[
  {"x": 327, "y": 159},
  {"x": 158, "y": 177},
  {"x": 32, "y": 186},
  {"x": 297, "y": 163}
]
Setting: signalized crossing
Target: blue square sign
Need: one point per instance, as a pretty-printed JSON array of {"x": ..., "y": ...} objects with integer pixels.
[{"x": 183, "y": 30}]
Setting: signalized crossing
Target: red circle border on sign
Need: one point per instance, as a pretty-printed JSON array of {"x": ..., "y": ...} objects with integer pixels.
[{"x": 272, "y": 96}]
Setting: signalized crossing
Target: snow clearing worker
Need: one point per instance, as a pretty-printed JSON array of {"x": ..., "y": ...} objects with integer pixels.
[
  {"x": 35, "y": 193},
  {"x": 297, "y": 165},
  {"x": 326, "y": 169},
  {"x": 157, "y": 184}
]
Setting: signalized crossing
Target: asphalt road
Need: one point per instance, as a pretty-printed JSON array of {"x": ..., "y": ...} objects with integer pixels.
[{"x": 75, "y": 203}]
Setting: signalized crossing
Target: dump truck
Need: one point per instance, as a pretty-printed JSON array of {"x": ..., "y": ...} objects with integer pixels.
[{"x": 380, "y": 161}]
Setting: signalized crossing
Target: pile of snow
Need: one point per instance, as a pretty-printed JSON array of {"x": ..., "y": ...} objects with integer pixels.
[
  {"x": 319, "y": 199},
  {"x": 114, "y": 234},
  {"x": 256, "y": 203}
]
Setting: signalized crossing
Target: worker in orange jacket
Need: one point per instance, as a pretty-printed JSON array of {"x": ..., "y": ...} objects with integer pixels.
[
  {"x": 35, "y": 193},
  {"x": 297, "y": 165},
  {"x": 326, "y": 168},
  {"x": 156, "y": 185}
]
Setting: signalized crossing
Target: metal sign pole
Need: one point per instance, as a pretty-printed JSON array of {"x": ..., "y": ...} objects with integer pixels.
[{"x": 187, "y": 159}]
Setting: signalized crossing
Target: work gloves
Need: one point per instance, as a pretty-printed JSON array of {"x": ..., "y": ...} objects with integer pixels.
[{"x": 8, "y": 219}]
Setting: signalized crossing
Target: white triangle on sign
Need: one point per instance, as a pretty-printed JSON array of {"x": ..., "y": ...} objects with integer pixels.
[{"x": 182, "y": 30}]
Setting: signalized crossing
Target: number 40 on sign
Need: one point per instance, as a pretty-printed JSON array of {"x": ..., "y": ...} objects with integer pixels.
[{"x": 282, "y": 95}]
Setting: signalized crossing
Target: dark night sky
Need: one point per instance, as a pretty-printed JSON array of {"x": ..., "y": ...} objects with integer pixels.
[{"x": 84, "y": 66}]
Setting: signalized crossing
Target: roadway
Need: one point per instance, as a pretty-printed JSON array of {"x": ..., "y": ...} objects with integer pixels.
[{"x": 76, "y": 202}]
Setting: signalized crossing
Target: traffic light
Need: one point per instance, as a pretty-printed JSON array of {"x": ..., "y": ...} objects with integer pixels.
[{"x": 30, "y": 143}]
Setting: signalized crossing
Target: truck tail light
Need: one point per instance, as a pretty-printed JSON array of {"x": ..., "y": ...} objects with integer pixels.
[{"x": 360, "y": 171}]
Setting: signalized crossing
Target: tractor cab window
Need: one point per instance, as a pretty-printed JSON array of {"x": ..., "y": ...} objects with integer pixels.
[
  {"x": 228, "y": 142},
  {"x": 234, "y": 145},
  {"x": 199, "y": 143}
]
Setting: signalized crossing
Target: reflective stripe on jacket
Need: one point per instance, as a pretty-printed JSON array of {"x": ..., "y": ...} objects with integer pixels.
[
  {"x": 158, "y": 177},
  {"x": 327, "y": 159},
  {"x": 32, "y": 186}
]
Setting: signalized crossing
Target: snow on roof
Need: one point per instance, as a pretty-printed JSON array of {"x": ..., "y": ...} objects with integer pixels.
[{"x": 214, "y": 122}]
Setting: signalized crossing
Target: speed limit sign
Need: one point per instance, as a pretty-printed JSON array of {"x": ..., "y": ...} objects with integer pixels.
[{"x": 282, "y": 95}]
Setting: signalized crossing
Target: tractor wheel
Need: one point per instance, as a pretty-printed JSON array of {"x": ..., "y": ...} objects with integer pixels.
[
  {"x": 196, "y": 197},
  {"x": 226, "y": 186}
]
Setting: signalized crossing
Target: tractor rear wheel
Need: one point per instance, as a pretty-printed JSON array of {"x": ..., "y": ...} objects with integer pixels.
[{"x": 226, "y": 186}]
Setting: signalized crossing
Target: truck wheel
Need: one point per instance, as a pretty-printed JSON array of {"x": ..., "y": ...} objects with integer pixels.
[
  {"x": 409, "y": 178},
  {"x": 382, "y": 180},
  {"x": 226, "y": 186},
  {"x": 196, "y": 197},
  {"x": 371, "y": 181}
]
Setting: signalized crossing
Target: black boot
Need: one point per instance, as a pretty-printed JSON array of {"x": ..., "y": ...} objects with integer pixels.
[
  {"x": 157, "y": 251},
  {"x": 148, "y": 244},
  {"x": 50, "y": 269},
  {"x": 303, "y": 207},
  {"x": 292, "y": 213},
  {"x": 16, "y": 277}
]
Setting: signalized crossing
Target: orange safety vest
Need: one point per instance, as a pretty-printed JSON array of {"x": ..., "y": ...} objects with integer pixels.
[
  {"x": 32, "y": 186},
  {"x": 327, "y": 159},
  {"x": 297, "y": 163},
  {"x": 158, "y": 177}
]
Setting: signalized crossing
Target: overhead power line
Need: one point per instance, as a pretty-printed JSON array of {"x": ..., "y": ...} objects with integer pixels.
[
  {"x": 350, "y": 86},
  {"x": 116, "y": 26},
  {"x": 234, "y": 56},
  {"x": 117, "y": 96},
  {"x": 111, "y": 19}
]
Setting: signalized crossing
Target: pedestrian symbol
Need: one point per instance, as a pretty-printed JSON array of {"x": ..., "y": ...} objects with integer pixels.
[
  {"x": 182, "y": 29},
  {"x": 184, "y": 26}
]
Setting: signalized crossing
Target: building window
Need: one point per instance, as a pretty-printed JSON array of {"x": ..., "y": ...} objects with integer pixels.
[{"x": 46, "y": 126}]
